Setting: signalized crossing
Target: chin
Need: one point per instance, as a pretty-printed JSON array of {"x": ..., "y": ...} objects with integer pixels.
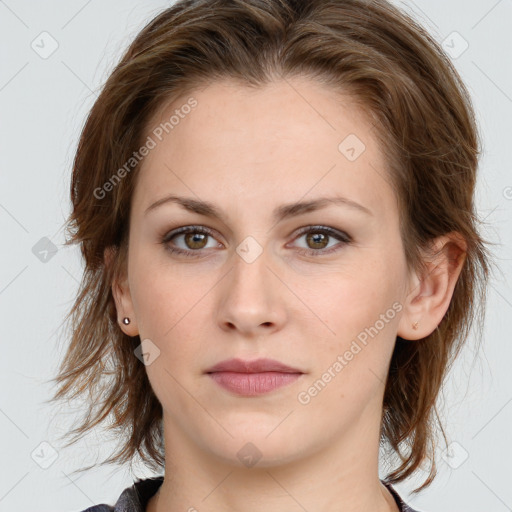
[
  {"x": 252, "y": 448},
  {"x": 256, "y": 455}
]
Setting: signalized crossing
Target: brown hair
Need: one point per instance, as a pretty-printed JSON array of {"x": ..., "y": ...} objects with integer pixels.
[{"x": 424, "y": 119}]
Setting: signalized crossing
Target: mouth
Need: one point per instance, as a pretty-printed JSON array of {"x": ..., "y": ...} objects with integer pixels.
[
  {"x": 252, "y": 378},
  {"x": 256, "y": 366}
]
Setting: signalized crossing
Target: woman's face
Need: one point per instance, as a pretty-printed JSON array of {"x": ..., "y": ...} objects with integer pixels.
[{"x": 318, "y": 288}]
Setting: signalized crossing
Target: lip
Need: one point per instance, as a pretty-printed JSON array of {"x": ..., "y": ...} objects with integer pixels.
[
  {"x": 251, "y": 378},
  {"x": 256, "y": 366}
]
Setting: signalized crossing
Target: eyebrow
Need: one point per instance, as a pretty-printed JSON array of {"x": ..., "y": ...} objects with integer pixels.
[{"x": 280, "y": 213}]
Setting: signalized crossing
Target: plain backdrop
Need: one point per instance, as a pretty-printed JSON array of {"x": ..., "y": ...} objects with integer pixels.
[{"x": 54, "y": 56}]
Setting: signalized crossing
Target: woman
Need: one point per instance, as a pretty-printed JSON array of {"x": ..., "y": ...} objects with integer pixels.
[{"x": 274, "y": 201}]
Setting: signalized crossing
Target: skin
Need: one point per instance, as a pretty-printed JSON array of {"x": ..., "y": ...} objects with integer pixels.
[{"x": 249, "y": 151}]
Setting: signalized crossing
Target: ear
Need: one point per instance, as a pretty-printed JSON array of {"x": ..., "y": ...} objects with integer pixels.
[
  {"x": 430, "y": 294},
  {"x": 121, "y": 294}
]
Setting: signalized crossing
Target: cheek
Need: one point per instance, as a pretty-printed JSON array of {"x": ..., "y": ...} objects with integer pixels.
[
  {"x": 168, "y": 305},
  {"x": 162, "y": 294},
  {"x": 360, "y": 311},
  {"x": 349, "y": 299},
  {"x": 350, "y": 365},
  {"x": 165, "y": 309}
]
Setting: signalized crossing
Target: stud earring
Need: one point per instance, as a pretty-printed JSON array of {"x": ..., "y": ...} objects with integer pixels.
[
  {"x": 415, "y": 325},
  {"x": 126, "y": 320}
]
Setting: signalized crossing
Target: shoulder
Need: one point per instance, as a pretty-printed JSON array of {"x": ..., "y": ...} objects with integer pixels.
[
  {"x": 403, "y": 507},
  {"x": 406, "y": 508},
  {"x": 133, "y": 498},
  {"x": 99, "y": 508}
]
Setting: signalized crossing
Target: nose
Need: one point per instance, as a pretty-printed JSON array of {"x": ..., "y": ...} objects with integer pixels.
[{"x": 252, "y": 298}]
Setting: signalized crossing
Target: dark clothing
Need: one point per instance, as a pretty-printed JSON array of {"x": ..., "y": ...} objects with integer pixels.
[{"x": 136, "y": 497}]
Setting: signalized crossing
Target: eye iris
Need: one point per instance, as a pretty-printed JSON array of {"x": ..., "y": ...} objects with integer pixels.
[
  {"x": 192, "y": 238},
  {"x": 317, "y": 238}
]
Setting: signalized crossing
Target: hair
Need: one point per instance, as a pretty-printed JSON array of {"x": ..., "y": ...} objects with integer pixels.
[{"x": 424, "y": 119}]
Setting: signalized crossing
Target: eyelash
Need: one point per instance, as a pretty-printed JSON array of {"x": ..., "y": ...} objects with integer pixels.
[{"x": 344, "y": 238}]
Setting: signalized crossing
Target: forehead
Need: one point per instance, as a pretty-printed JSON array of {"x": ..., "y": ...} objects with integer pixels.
[{"x": 288, "y": 137}]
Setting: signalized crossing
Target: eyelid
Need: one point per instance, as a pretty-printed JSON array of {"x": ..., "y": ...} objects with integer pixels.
[
  {"x": 335, "y": 233},
  {"x": 191, "y": 228}
]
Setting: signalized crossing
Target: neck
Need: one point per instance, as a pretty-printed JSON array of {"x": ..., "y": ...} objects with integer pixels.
[{"x": 343, "y": 478}]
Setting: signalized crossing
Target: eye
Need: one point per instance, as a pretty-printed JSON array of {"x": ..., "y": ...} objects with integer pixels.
[
  {"x": 318, "y": 237},
  {"x": 195, "y": 239}
]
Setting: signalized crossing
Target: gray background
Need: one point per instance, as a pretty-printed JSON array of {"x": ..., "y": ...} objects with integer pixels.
[{"x": 43, "y": 104}]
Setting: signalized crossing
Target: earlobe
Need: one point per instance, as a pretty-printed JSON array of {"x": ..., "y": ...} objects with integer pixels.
[
  {"x": 122, "y": 298},
  {"x": 431, "y": 293}
]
